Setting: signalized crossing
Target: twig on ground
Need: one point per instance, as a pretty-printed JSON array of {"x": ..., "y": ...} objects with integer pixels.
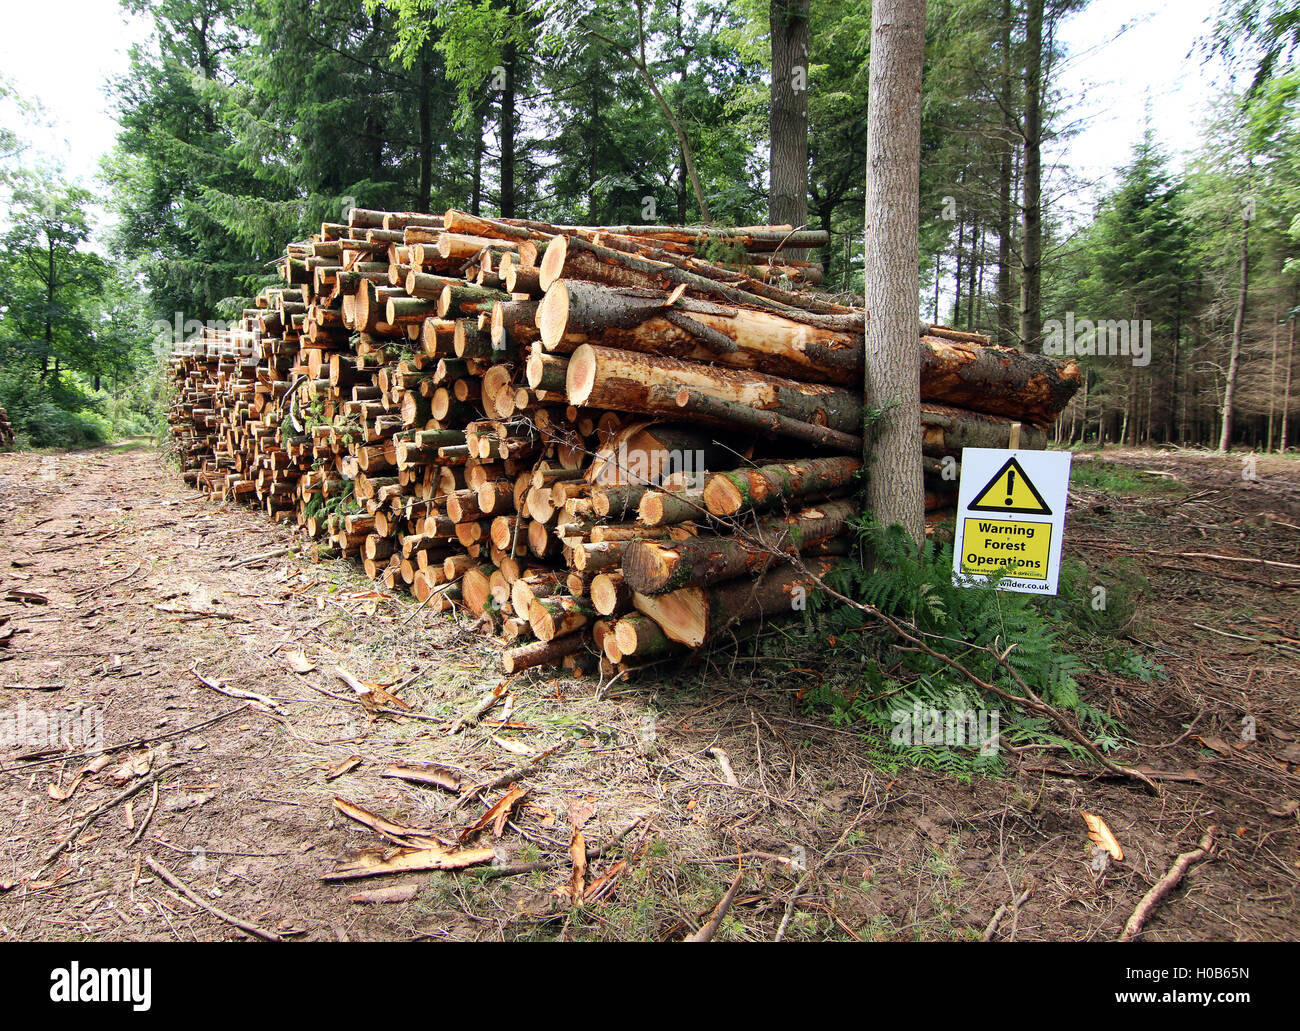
[
  {"x": 95, "y": 590},
  {"x": 813, "y": 870},
  {"x": 515, "y": 773},
  {"x": 707, "y": 932},
  {"x": 202, "y": 903},
  {"x": 260, "y": 557},
  {"x": 99, "y": 811},
  {"x": 1165, "y": 885},
  {"x": 234, "y": 692},
  {"x": 133, "y": 743},
  {"x": 1015, "y": 904},
  {"x": 723, "y": 761},
  {"x": 153, "y": 804}
]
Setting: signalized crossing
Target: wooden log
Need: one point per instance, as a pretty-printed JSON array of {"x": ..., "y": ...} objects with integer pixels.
[
  {"x": 641, "y": 637},
  {"x": 765, "y": 487},
  {"x": 541, "y": 653},
  {"x": 773, "y": 424},
  {"x": 660, "y": 508},
  {"x": 602, "y": 377},
  {"x": 996, "y": 380},
  {"x": 654, "y": 567},
  {"x": 945, "y": 431},
  {"x": 559, "y": 615},
  {"x": 692, "y": 615},
  {"x": 575, "y": 313},
  {"x": 610, "y": 594}
]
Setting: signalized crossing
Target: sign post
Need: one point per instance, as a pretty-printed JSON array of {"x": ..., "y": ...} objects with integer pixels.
[{"x": 1011, "y": 518}]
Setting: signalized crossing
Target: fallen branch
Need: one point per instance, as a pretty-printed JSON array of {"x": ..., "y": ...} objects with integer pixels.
[
  {"x": 94, "y": 591},
  {"x": 234, "y": 692},
  {"x": 99, "y": 811},
  {"x": 260, "y": 557},
  {"x": 1016, "y": 903},
  {"x": 1165, "y": 885},
  {"x": 202, "y": 903},
  {"x": 153, "y": 804},
  {"x": 707, "y": 932}
]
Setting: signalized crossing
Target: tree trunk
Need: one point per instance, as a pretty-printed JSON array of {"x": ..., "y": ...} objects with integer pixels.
[
  {"x": 1006, "y": 333},
  {"x": 507, "y": 205},
  {"x": 1238, "y": 329},
  {"x": 476, "y": 181},
  {"x": 1286, "y": 390},
  {"x": 1272, "y": 390},
  {"x": 425, "y": 116},
  {"x": 959, "y": 277},
  {"x": 895, "y": 489},
  {"x": 1031, "y": 315},
  {"x": 788, "y": 150}
]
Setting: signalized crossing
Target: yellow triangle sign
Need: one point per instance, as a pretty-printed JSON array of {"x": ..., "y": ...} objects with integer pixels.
[{"x": 1010, "y": 491}]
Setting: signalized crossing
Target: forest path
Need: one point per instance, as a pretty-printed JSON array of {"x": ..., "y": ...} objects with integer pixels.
[{"x": 117, "y": 583}]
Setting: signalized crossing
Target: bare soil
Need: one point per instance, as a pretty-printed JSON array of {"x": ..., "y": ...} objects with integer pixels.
[{"x": 120, "y": 585}]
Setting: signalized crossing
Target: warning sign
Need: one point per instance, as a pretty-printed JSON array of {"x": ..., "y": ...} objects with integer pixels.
[
  {"x": 1010, "y": 490},
  {"x": 1022, "y": 549},
  {"x": 1011, "y": 518}
]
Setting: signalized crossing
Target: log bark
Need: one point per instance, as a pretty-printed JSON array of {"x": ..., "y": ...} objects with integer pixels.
[
  {"x": 996, "y": 380},
  {"x": 945, "y": 431},
  {"x": 602, "y": 377},
  {"x": 558, "y": 616},
  {"x": 655, "y": 567},
  {"x": 768, "y": 486},
  {"x": 693, "y": 615},
  {"x": 541, "y": 653}
]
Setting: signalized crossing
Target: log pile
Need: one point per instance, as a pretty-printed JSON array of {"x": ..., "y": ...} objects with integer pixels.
[{"x": 599, "y": 442}]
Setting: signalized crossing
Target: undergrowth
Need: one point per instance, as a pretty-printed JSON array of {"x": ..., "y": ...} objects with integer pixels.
[{"x": 911, "y": 704}]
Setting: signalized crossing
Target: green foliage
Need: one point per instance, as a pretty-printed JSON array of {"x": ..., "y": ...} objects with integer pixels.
[
  {"x": 43, "y": 415},
  {"x": 1263, "y": 32},
  {"x": 1119, "y": 479},
  {"x": 1052, "y": 642},
  {"x": 72, "y": 328}
]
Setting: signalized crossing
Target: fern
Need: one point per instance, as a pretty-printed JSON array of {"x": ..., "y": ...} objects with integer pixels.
[{"x": 1045, "y": 636}]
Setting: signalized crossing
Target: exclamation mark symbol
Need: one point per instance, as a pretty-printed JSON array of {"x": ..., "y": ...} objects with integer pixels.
[{"x": 1011, "y": 485}]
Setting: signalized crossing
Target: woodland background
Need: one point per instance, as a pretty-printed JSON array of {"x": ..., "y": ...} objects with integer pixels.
[{"x": 246, "y": 124}]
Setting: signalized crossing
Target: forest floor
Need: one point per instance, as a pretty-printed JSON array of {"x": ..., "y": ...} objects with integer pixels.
[{"x": 120, "y": 588}]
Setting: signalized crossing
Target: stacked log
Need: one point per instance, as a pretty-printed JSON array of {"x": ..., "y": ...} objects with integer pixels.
[{"x": 605, "y": 447}]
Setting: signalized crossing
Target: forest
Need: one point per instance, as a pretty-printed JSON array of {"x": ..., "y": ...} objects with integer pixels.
[
  {"x": 246, "y": 124},
  {"x": 656, "y": 470}
]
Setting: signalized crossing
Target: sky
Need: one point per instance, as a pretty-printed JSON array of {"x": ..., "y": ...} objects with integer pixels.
[
  {"x": 67, "y": 80},
  {"x": 1126, "y": 54},
  {"x": 1128, "y": 57}
]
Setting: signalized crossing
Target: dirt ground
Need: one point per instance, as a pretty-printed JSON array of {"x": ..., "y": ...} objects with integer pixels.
[{"x": 120, "y": 588}]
